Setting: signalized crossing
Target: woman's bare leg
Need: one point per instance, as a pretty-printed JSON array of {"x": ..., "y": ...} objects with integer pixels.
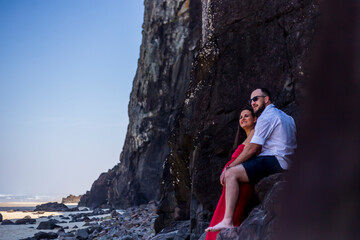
[{"x": 233, "y": 177}]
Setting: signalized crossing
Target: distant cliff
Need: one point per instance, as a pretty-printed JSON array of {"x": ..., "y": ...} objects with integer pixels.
[
  {"x": 199, "y": 61},
  {"x": 71, "y": 199}
]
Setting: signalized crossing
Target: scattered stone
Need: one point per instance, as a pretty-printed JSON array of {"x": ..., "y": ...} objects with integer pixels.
[
  {"x": 1, "y": 217},
  {"x": 45, "y": 235},
  {"x": 7, "y": 222},
  {"x": 82, "y": 234},
  {"x": 66, "y": 236},
  {"x": 74, "y": 227},
  {"x": 114, "y": 214},
  {"x": 48, "y": 225},
  {"x": 127, "y": 237},
  {"x": 25, "y": 221},
  {"x": 74, "y": 209}
]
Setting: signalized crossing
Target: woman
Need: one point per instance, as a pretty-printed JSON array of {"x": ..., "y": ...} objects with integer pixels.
[{"x": 247, "y": 122}]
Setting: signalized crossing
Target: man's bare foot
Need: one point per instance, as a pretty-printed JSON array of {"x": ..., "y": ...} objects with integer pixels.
[{"x": 218, "y": 227}]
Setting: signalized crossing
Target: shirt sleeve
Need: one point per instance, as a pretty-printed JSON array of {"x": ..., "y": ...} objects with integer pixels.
[{"x": 263, "y": 129}]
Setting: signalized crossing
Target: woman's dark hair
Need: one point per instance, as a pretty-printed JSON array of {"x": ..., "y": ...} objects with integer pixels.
[{"x": 241, "y": 134}]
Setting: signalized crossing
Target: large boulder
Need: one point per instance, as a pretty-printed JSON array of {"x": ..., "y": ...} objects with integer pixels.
[
  {"x": 25, "y": 220},
  {"x": 7, "y": 222},
  {"x": 48, "y": 225},
  {"x": 1, "y": 217},
  {"x": 51, "y": 207},
  {"x": 45, "y": 235}
]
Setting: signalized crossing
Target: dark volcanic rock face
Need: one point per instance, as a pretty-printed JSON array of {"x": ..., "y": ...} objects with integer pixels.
[
  {"x": 170, "y": 37},
  {"x": 245, "y": 45},
  {"x": 198, "y": 64},
  {"x": 171, "y": 32},
  {"x": 98, "y": 194}
]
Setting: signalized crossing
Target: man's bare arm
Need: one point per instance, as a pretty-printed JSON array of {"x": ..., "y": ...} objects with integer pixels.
[{"x": 250, "y": 150}]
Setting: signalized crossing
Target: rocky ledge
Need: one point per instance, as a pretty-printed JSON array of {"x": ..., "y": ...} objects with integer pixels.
[
  {"x": 262, "y": 219},
  {"x": 259, "y": 224}
]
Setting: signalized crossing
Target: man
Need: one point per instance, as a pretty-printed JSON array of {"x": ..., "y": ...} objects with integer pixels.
[{"x": 274, "y": 138}]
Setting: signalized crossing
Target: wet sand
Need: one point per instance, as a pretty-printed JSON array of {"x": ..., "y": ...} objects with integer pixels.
[{"x": 15, "y": 232}]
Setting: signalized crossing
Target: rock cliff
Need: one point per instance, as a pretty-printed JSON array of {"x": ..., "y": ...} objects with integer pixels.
[
  {"x": 245, "y": 44},
  {"x": 199, "y": 62},
  {"x": 171, "y": 33}
]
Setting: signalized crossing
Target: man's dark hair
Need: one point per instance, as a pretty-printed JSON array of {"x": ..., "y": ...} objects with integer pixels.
[{"x": 266, "y": 92}]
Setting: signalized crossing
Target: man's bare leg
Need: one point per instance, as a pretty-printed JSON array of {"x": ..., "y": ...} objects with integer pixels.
[{"x": 233, "y": 177}]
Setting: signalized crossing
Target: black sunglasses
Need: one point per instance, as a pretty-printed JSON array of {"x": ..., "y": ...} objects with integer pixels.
[{"x": 255, "y": 99}]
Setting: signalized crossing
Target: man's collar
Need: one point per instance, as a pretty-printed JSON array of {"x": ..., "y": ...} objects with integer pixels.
[{"x": 271, "y": 105}]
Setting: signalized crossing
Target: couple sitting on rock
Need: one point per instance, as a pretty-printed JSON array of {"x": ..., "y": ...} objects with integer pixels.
[{"x": 265, "y": 151}]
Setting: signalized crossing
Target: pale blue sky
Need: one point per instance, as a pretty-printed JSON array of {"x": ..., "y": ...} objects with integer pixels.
[{"x": 66, "y": 72}]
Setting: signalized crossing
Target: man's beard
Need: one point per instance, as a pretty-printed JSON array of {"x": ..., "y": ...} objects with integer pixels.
[{"x": 260, "y": 110}]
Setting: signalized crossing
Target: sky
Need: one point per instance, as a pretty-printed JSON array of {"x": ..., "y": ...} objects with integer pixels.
[{"x": 66, "y": 72}]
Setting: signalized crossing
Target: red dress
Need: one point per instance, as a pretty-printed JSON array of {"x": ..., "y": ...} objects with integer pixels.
[{"x": 246, "y": 191}]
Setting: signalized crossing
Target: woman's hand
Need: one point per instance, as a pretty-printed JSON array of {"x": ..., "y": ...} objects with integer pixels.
[{"x": 222, "y": 178}]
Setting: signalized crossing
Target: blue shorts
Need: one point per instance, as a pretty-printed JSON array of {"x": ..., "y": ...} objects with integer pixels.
[{"x": 260, "y": 167}]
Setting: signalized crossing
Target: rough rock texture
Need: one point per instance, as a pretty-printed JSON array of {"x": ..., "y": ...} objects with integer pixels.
[
  {"x": 171, "y": 32},
  {"x": 71, "y": 199},
  {"x": 245, "y": 44},
  {"x": 198, "y": 64},
  {"x": 259, "y": 225},
  {"x": 97, "y": 196},
  {"x": 325, "y": 204},
  {"x": 178, "y": 230}
]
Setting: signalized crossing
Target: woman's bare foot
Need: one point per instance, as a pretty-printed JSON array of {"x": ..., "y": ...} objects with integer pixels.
[{"x": 220, "y": 226}]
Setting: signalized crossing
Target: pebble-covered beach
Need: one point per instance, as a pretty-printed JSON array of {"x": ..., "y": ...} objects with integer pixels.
[{"x": 101, "y": 224}]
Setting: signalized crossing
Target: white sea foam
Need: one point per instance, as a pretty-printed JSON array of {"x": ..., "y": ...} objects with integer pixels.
[{"x": 27, "y": 198}]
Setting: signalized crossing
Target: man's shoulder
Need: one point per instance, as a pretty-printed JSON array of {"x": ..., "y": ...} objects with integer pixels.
[
  {"x": 273, "y": 114},
  {"x": 283, "y": 116}
]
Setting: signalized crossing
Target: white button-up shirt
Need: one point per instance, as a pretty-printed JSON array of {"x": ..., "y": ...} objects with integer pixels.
[{"x": 275, "y": 131}]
